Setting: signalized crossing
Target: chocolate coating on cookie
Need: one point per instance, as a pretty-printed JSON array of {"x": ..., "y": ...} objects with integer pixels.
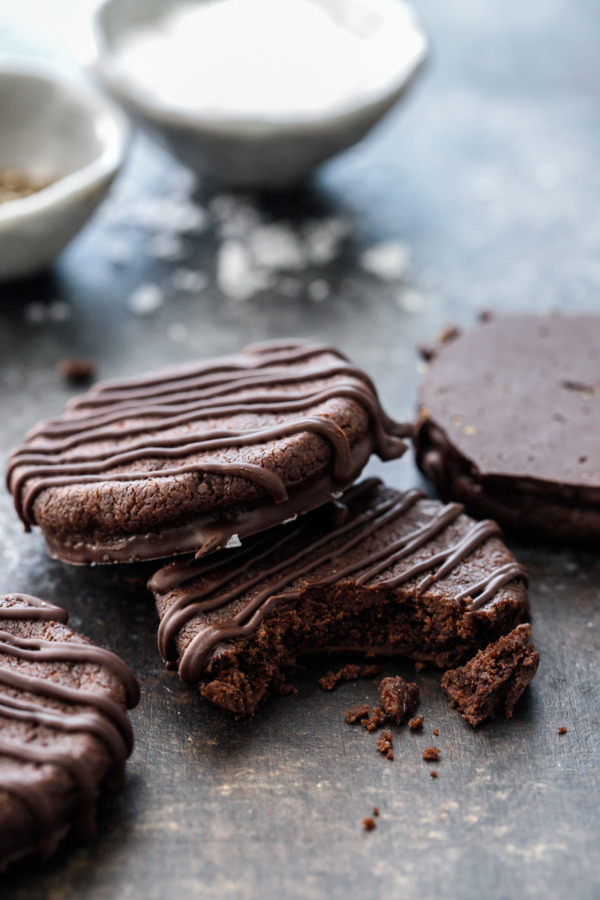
[
  {"x": 63, "y": 726},
  {"x": 380, "y": 572},
  {"x": 189, "y": 459},
  {"x": 509, "y": 423}
]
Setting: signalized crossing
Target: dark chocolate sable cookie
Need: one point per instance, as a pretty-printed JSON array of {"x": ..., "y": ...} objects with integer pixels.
[
  {"x": 196, "y": 458},
  {"x": 491, "y": 683},
  {"x": 64, "y": 732},
  {"x": 378, "y": 572},
  {"x": 509, "y": 424}
]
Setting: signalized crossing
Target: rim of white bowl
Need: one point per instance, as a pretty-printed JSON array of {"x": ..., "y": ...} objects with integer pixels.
[
  {"x": 115, "y": 137},
  {"x": 94, "y": 55}
]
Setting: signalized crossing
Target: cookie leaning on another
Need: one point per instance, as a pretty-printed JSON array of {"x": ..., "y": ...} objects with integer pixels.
[
  {"x": 199, "y": 457},
  {"x": 64, "y": 731}
]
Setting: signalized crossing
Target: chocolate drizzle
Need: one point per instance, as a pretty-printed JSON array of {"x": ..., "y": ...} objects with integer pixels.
[
  {"x": 93, "y": 713},
  {"x": 73, "y": 448},
  {"x": 208, "y": 585}
]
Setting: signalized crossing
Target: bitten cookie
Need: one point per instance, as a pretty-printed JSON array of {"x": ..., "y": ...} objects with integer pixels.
[
  {"x": 378, "y": 572},
  {"x": 509, "y": 424},
  {"x": 199, "y": 457},
  {"x": 64, "y": 731}
]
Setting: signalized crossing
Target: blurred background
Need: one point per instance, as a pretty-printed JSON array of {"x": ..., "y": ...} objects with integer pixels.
[{"x": 476, "y": 187}]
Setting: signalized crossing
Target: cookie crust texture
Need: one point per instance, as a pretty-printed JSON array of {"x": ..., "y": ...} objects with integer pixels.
[{"x": 195, "y": 458}]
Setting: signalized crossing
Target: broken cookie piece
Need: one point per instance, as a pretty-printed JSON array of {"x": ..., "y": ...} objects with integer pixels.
[
  {"x": 491, "y": 683},
  {"x": 399, "y": 700}
]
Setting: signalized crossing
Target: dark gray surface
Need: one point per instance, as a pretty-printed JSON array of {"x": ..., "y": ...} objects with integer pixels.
[{"x": 490, "y": 174}]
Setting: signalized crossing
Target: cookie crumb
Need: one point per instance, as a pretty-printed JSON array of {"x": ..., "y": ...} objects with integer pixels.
[
  {"x": 420, "y": 666},
  {"x": 427, "y": 352},
  {"x": 433, "y": 774},
  {"x": 431, "y": 754},
  {"x": 357, "y": 714},
  {"x": 385, "y": 744},
  {"x": 375, "y": 810},
  {"x": 332, "y": 679},
  {"x": 76, "y": 371},
  {"x": 449, "y": 333},
  {"x": 369, "y": 824},
  {"x": 377, "y": 718},
  {"x": 369, "y": 671},
  {"x": 562, "y": 730},
  {"x": 399, "y": 700},
  {"x": 417, "y": 723},
  {"x": 435, "y": 732}
]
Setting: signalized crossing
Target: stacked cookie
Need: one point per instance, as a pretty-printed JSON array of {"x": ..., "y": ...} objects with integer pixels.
[{"x": 244, "y": 467}]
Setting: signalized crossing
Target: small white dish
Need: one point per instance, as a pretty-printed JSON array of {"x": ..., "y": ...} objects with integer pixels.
[
  {"x": 266, "y": 149},
  {"x": 53, "y": 128}
]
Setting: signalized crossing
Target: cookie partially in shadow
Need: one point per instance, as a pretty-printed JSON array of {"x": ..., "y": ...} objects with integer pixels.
[
  {"x": 377, "y": 572},
  {"x": 509, "y": 424},
  {"x": 197, "y": 458},
  {"x": 64, "y": 730}
]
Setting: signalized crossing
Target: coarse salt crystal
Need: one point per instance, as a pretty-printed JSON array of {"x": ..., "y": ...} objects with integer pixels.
[
  {"x": 276, "y": 246},
  {"x": 389, "y": 261},
  {"x": 193, "y": 281},
  {"x": 319, "y": 290},
  {"x": 145, "y": 299},
  {"x": 237, "y": 277}
]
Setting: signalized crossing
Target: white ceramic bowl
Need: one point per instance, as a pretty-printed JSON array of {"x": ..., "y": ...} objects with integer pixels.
[
  {"x": 258, "y": 151},
  {"x": 56, "y": 128}
]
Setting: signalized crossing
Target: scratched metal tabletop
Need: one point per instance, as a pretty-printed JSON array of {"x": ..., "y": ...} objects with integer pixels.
[{"x": 489, "y": 177}]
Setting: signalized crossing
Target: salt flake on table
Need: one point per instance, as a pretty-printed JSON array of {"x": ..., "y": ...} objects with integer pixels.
[
  {"x": 145, "y": 299},
  {"x": 389, "y": 261}
]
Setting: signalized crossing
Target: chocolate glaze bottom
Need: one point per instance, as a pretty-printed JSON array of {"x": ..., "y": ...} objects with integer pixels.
[
  {"x": 378, "y": 572},
  {"x": 202, "y": 536}
]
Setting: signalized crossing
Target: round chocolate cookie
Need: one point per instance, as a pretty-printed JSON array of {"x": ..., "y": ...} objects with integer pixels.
[
  {"x": 378, "y": 571},
  {"x": 64, "y": 731},
  {"x": 510, "y": 424},
  {"x": 196, "y": 458}
]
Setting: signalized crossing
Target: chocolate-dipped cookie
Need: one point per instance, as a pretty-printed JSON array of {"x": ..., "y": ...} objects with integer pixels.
[
  {"x": 199, "y": 457},
  {"x": 64, "y": 731},
  {"x": 377, "y": 572},
  {"x": 509, "y": 423}
]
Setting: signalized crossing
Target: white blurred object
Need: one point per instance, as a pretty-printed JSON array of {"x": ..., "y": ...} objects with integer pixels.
[
  {"x": 257, "y": 92},
  {"x": 389, "y": 261},
  {"x": 146, "y": 299},
  {"x": 57, "y": 129}
]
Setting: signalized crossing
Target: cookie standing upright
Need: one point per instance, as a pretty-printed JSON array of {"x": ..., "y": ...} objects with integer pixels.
[
  {"x": 378, "y": 572},
  {"x": 510, "y": 423},
  {"x": 199, "y": 457},
  {"x": 64, "y": 731}
]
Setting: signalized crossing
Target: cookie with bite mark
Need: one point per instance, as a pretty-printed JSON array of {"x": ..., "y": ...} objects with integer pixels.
[{"x": 377, "y": 572}]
